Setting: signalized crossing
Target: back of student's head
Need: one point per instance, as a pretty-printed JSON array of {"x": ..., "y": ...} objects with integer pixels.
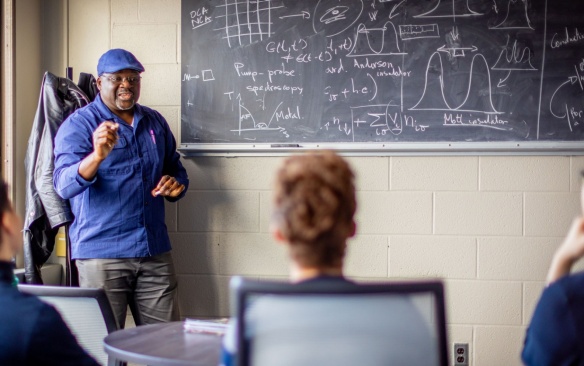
[{"x": 313, "y": 207}]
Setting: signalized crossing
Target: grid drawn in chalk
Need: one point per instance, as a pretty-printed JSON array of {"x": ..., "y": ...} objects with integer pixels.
[{"x": 247, "y": 21}]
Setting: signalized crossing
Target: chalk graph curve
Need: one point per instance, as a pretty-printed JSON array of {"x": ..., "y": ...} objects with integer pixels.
[
  {"x": 467, "y": 12},
  {"x": 461, "y": 107}
]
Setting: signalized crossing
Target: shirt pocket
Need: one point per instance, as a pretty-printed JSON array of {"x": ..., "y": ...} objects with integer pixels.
[
  {"x": 121, "y": 144},
  {"x": 120, "y": 154},
  {"x": 108, "y": 195},
  {"x": 153, "y": 150}
]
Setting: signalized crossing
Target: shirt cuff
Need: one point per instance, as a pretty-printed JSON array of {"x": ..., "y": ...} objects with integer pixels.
[{"x": 85, "y": 183}]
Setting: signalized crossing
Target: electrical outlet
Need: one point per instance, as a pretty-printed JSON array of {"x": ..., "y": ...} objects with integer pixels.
[{"x": 460, "y": 354}]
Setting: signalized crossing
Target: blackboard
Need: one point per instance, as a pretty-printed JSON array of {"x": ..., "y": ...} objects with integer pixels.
[{"x": 382, "y": 74}]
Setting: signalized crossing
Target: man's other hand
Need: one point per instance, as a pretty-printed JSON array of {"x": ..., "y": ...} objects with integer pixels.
[{"x": 168, "y": 186}]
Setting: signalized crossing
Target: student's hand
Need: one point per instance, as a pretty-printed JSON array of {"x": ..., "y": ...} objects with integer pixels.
[
  {"x": 569, "y": 252},
  {"x": 168, "y": 186},
  {"x": 105, "y": 137},
  {"x": 572, "y": 248}
]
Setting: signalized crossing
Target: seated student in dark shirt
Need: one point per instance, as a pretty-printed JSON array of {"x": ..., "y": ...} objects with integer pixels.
[
  {"x": 31, "y": 332},
  {"x": 313, "y": 212},
  {"x": 556, "y": 333},
  {"x": 312, "y": 215}
]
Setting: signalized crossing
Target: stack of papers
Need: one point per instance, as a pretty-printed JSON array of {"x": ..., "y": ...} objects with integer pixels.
[{"x": 215, "y": 327}]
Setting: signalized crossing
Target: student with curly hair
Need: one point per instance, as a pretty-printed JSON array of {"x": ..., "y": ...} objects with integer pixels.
[
  {"x": 313, "y": 208},
  {"x": 313, "y": 216}
]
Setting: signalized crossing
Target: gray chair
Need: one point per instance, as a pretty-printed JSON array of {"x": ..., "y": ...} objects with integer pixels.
[
  {"x": 339, "y": 323},
  {"x": 87, "y": 312}
]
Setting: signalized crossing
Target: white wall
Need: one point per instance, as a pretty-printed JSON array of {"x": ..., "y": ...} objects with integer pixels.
[
  {"x": 39, "y": 47},
  {"x": 28, "y": 80},
  {"x": 487, "y": 225}
]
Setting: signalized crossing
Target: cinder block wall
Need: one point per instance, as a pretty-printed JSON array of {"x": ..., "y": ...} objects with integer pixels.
[{"x": 487, "y": 225}]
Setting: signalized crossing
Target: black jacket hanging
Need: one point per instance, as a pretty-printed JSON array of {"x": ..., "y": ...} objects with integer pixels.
[
  {"x": 45, "y": 210},
  {"x": 88, "y": 84}
]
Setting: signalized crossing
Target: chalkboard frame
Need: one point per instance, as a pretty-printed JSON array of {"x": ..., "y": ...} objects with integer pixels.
[
  {"x": 511, "y": 147},
  {"x": 390, "y": 149}
]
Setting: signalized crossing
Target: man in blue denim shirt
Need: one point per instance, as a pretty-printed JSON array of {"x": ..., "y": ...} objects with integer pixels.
[{"x": 115, "y": 160}]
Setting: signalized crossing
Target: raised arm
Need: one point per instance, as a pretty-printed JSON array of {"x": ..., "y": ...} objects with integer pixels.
[
  {"x": 568, "y": 253},
  {"x": 104, "y": 139},
  {"x": 78, "y": 155}
]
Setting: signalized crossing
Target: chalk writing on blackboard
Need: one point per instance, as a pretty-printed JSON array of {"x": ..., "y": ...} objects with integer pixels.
[{"x": 362, "y": 71}]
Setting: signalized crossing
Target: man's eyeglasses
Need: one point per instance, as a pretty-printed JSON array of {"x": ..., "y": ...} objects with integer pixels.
[{"x": 132, "y": 80}]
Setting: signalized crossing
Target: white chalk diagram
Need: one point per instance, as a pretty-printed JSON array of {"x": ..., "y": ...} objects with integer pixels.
[
  {"x": 332, "y": 17},
  {"x": 513, "y": 58},
  {"x": 450, "y": 9},
  {"x": 206, "y": 75},
  {"x": 376, "y": 41},
  {"x": 453, "y": 45},
  {"x": 572, "y": 80},
  {"x": 247, "y": 21},
  {"x": 436, "y": 87},
  {"x": 417, "y": 31},
  {"x": 516, "y": 16},
  {"x": 247, "y": 121}
]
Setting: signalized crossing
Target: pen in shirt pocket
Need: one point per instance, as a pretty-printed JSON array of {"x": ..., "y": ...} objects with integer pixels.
[{"x": 152, "y": 135}]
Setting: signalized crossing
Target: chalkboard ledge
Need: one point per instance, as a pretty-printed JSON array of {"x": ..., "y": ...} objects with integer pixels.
[{"x": 388, "y": 149}]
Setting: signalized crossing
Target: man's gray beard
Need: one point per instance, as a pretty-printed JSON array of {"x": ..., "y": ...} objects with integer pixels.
[{"x": 126, "y": 109}]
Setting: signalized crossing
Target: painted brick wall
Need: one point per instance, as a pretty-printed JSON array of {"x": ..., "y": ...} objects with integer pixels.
[{"x": 487, "y": 225}]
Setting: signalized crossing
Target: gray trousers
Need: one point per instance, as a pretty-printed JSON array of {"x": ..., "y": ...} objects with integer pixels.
[{"x": 148, "y": 285}]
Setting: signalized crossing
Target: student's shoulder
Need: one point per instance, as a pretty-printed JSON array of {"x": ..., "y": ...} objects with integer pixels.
[
  {"x": 572, "y": 286},
  {"x": 23, "y": 306},
  {"x": 564, "y": 294}
]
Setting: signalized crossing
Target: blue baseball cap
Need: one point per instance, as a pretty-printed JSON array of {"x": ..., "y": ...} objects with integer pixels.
[{"x": 118, "y": 59}]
